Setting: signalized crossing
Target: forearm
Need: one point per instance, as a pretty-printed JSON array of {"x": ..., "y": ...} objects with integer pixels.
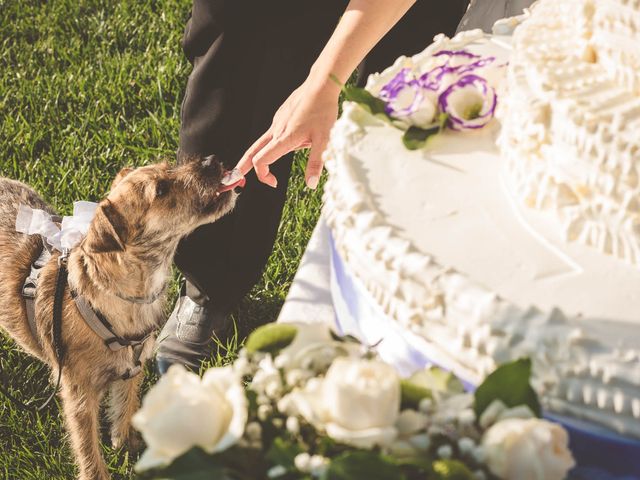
[{"x": 362, "y": 26}]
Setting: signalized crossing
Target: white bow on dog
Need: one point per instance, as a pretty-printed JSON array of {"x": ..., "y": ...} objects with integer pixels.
[{"x": 72, "y": 230}]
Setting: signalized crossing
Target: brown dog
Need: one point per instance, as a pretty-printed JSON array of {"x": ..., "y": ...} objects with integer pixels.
[{"x": 126, "y": 255}]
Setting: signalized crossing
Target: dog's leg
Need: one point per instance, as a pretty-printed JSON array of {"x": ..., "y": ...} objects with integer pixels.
[
  {"x": 81, "y": 404},
  {"x": 123, "y": 403}
]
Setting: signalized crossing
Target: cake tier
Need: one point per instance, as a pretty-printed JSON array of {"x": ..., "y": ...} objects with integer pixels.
[
  {"x": 437, "y": 240},
  {"x": 616, "y": 40},
  {"x": 571, "y": 118}
]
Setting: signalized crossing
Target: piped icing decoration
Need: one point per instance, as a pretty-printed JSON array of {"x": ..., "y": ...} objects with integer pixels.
[{"x": 570, "y": 120}]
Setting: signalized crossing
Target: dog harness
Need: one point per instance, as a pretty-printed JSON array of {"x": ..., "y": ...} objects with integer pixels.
[{"x": 93, "y": 318}]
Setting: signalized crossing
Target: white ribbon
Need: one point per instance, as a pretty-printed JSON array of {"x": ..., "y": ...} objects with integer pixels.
[{"x": 73, "y": 229}]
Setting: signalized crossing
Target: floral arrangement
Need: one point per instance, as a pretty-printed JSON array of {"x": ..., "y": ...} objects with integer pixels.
[
  {"x": 454, "y": 93},
  {"x": 303, "y": 403}
]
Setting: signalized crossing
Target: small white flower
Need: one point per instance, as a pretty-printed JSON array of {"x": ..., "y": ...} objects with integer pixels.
[
  {"x": 466, "y": 445},
  {"x": 479, "y": 454},
  {"x": 491, "y": 413},
  {"x": 273, "y": 389},
  {"x": 254, "y": 431},
  {"x": 264, "y": 411},
  {"x": 421, "y": 442},
  {"x": 410, "y": 422},
  {"x": 183, "y": 411},
  {"x": 303, "y": 462},
  {"x": 266, "y": 375},
  {"x": 293, "y": 425},
  {"x": 445, "y": 452},
  {"x": 318, "y": 465},
  {"x": 280, "y": 362},
  {"x": 294, "y": 377},
  {"x": 241, "y": 366},
  {"x": 466, "y": 417},
  {"x": 425, "y": 405},
  {"x": 285, "y": 405},
  {"x": 277, "y": 471},
  {"x": 530, "y": 449},
  {"x": 447, "y": 411}
]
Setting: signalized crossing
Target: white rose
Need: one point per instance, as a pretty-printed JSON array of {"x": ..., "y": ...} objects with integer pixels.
[
  {"x": 357, "y": 403},
  {"x": 182, "y": 411},
  {"x": 532, "y": 449}
]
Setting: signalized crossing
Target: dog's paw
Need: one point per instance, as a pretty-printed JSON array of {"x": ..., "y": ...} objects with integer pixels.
[{"x": 131, "y": 441}]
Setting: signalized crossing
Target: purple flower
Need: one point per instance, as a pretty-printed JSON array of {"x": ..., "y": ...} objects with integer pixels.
[
  {"x": 402, "y": 94},
  {"x": 457, "y": 63},
  {"x": 408, "y": 100},
  {"x": 470, "y": 103}
]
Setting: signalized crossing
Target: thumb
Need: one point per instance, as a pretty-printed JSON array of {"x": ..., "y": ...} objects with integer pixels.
[{"x": 315, "y": 163}]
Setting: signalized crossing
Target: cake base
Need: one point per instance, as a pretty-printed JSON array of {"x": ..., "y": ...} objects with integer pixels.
[{"x": 319, "y": 294}]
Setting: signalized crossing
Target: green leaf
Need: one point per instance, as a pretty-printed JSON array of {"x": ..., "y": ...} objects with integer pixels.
[
  {"x": 438, "y": 380},
  {"x": 415, "y": 138},
  {"x": 412, "y": 394},
  {"x": 283, "y": 452},
  {"x": 360, "y": 465},
  {"x": 366, "y": 99},
  {"x": 450, "y": 470},
  {"x": 419, "y": 463},
  {"x": 193, "y": 465},
  {"x": 510, "y": 384},
  {"x": 271, "y": 338}
]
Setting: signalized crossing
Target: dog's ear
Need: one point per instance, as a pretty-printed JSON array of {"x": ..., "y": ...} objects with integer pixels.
[
  {"x": 120, "y": 176},
  {"x": 108, "y": 230}
]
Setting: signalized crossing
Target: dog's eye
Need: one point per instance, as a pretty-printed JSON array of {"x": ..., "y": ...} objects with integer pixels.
[{"x": 162, "y": 187}]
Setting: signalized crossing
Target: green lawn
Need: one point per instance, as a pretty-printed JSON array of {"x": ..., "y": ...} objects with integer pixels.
[{"x": 87, "y": 86}]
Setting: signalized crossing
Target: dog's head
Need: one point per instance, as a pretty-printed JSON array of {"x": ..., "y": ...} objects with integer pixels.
[{"x": 156, "y": 205}]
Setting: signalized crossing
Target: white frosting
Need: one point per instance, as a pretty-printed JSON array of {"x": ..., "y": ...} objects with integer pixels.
[
  {"x": 571, "y": 119},
  {"x": 441, "y": 246}
]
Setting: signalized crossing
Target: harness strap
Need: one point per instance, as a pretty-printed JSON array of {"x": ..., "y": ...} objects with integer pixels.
[
  {"x": 93, "y": 318},
  {"x": 29, "y": 289},
  {"x": 104, "y": 330}
]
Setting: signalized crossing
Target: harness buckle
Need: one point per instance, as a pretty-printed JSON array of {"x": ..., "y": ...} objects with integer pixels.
[{"x": 62, "y": 259}]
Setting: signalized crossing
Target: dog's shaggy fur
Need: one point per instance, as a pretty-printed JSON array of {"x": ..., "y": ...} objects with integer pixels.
[{"x": 127, "y": 252}]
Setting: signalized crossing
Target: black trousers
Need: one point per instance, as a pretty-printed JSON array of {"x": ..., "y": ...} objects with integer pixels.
[{"x": 248, "y": 56}]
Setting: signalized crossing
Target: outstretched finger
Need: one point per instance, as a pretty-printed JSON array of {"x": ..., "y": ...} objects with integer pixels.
[
  {"x": 271, "y": 153},
  {"x": 246, "y": 162},
  {"x": 315, "y": 163}
]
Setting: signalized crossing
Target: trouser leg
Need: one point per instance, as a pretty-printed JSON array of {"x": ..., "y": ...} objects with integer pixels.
[{"x": 248, "y": 57}]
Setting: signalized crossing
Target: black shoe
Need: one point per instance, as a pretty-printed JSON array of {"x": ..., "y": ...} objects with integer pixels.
[{"x": 191, "y": 335}]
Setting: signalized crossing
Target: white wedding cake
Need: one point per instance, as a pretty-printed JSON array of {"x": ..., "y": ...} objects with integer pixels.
[{"x": 518, "y": 239}]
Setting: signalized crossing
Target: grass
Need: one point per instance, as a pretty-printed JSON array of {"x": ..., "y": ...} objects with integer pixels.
[{"x": 87, "y": 86}]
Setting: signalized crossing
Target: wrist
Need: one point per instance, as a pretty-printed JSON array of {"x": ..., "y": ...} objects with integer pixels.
[{"x": 323, "y": 83}]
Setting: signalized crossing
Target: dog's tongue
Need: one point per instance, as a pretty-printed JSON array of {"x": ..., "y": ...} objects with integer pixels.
[{"x": 231, "y": 180}]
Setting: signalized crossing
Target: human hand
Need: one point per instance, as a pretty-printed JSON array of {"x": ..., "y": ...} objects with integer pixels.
[{"x": 304, "y": 120}]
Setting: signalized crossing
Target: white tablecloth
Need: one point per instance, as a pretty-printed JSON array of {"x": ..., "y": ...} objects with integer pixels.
[{"x": 309, "y": 299}]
